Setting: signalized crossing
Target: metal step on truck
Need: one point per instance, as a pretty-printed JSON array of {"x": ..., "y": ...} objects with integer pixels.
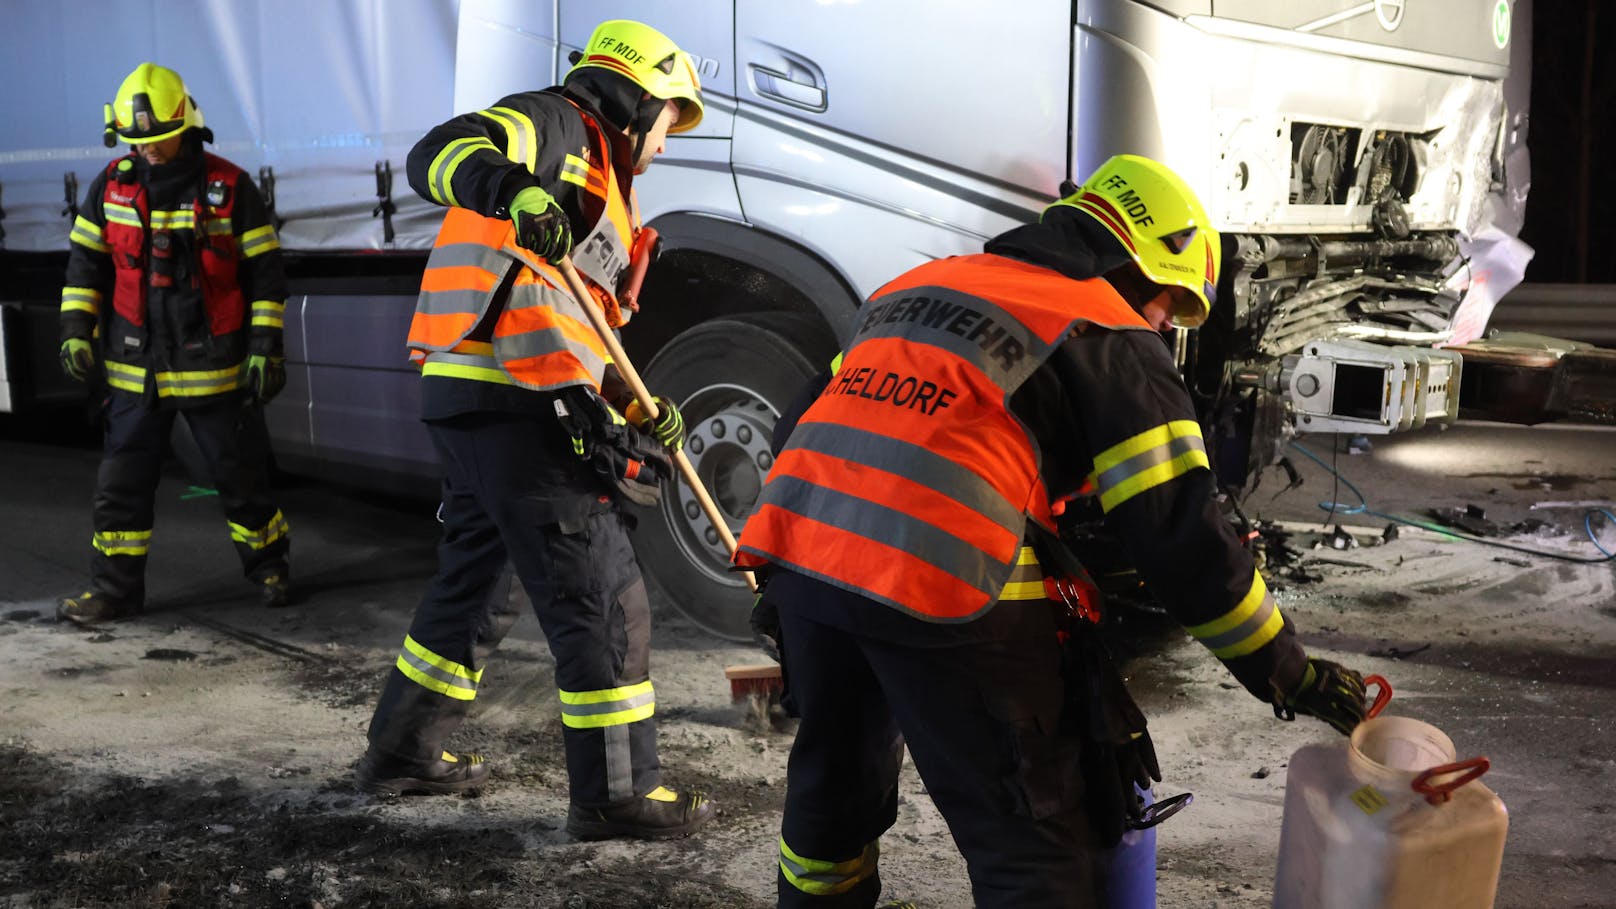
[{"x": 1365, "y": 162}]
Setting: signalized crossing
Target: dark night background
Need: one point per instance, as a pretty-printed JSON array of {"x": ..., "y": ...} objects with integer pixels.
[{"x": 1571, "y": 209}]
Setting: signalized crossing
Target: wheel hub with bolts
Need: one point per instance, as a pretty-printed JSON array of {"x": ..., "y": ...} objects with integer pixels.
[{"x": 729, "y": 450}]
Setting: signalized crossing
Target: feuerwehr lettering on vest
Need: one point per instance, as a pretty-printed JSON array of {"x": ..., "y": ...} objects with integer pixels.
[{"x": 936, "y": 314}]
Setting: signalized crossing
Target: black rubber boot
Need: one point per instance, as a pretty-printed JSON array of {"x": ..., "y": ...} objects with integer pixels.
[
  {"x": 93, "y": 607},
  {"x": 275, "y": 591},
  {"x": 451, "y": 773},
  {"x": 659, "y": 815}
]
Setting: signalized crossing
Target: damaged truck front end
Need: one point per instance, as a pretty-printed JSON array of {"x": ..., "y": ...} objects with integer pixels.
[{"x": 1366, "y": 164}]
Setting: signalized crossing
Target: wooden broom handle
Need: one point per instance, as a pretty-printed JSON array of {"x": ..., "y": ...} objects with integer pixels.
[{"x": 647, "y": 404}]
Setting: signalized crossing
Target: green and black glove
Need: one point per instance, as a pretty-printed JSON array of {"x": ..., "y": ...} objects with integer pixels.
[
  {"x": 541, "y": 225},
  {"x": 78, "y": 358},
  {"x": 668, "y": 428},
  {"x": 266, "y": 376},
  {"x": 1328, "y": 691}
]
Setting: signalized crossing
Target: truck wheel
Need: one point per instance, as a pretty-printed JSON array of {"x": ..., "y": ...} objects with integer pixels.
[{"x": 731, "y": 379}]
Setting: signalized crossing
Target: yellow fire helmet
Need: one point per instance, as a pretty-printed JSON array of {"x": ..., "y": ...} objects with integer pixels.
[
  {"x": 1158, "y": 219},
  {"x": 151, "y": 106},
  {"x": 651, "y": 61}
]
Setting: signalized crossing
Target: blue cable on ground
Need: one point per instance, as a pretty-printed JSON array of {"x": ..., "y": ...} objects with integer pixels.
[{"x": 1363, "y": 508}]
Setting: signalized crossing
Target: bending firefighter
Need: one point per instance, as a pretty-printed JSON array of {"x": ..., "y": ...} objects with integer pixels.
[
  {"x": 173, "y": 305},
  {"x": 908, "y": 533},
  {"x": 529, "y": 420}
]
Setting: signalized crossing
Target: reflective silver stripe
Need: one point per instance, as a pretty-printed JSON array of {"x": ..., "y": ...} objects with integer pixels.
[
  {"x": 510, "y": 348},
  {"x": 127, "y": 215},
  {"x": 122, "y": 542},
  {"x": 455, "y": 255},
  {"x": 269, "y": 313},
  {"x": 435, "y": 673},
  {"x": 913, "y": 462},
  {"x": 440, "y": 177},
  {"x": 81, "y": 299},
  {"x": 821, "y": 878},
  {"x": 581, "y": 714},
  {"x": 465, "y": 366},
  {"x": 88, "y": 234},
  {"x": 575, "y": 170},
  {"x": 618, "y": 742},
  {"x": 521, "y": 140},
  {"x": 200, "y": 383},
  {"x": 125, "y": 377},
  {"x": 259, "y": 240},
  {"x": 974, "y": 329},
  {"x": 276, "y": 529},
  {"x": 1252, "y": 623},
  {"x": 1145, "y": 460},
  {"x": 933, "y": 545},
  {"x": 170, "y": 219}
]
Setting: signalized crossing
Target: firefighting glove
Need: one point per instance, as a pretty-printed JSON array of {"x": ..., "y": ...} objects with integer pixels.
[
  {"x": 541, "y": 225},
  {"x": 266, "y": 376},
  {"x": 637, "y": 475},
  {"x": 668, "y": 428},
  {"x": 1329, "y": 691},
  {"x": 78, "y": 358}
]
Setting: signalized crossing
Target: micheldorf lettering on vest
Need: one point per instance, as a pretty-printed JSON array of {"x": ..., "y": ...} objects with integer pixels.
[
  {"x": 891, "y": 388},
  {"x": 995, "y": 339}
]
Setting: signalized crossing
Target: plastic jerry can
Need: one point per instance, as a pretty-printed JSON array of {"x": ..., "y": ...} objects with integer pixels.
[
  {"x": 1389, "y": 820},
  {"x": 1130, "y": 866}
]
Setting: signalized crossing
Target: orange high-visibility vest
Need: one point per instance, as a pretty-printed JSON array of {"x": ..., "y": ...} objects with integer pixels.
[
  {"x": 909, "y": 480},
  {"x": 542, "y": 338}
]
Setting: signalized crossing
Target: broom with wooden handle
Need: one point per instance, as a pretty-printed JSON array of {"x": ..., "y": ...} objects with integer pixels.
[{"x": 757, "y": 682}]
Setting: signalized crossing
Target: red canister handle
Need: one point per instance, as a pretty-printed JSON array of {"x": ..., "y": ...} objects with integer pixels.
[
  {"x": 1437, "y": 793},
  {"x": 1381, "y": 699}
]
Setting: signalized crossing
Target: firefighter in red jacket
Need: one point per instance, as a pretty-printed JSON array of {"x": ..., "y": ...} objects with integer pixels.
[
  {"x": 538, "y": 435},
  {"x": 903, "y": 525},
  {"x": 173, "y": 304}
]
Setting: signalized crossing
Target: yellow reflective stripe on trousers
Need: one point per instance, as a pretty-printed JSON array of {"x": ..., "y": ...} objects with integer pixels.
[
  {"x": 440, "y": 176},
  {"x": 122, "y": 542},
  {"x": 259, "y": 240},
  {"x": 521, "y": 139},
  {"x": 608, "y": 707},
  {"x": 258, "y": 539},
  {"x": 1147, "y": 460},
  {"x": 87, "y": 234},
  {"x": 818, "y": 878},
  {"x": 81, "y": 299},
  {"x": 268, "y": 314},
  {"x": 1026, "y": 578},
  {"x": 1252, "y": 623},
  {"x": 575, "y": 170},
  {"x": 124, "y": 377},
  {"x": 436, "y": 673},
  {"x": 200, "y": 383}
]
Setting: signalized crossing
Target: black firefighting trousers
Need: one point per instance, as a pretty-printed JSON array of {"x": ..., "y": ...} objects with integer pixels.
[
  {"x": 234, "y": 443},
  {"x": 580, "y": 574},
  {"x": 978, "y": 706}
]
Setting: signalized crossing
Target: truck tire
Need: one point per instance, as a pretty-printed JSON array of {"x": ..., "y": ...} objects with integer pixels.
[{"x": 731, "y": 379}]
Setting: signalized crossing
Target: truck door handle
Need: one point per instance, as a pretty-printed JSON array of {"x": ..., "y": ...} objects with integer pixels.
[{"x": 800, "y": 84}]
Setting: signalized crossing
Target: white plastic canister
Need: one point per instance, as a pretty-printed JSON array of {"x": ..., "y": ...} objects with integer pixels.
[{"x": 1389, "y": 821}]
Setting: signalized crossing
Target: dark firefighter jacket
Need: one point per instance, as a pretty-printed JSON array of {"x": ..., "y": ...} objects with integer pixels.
[{"x": 178, "y": 270}]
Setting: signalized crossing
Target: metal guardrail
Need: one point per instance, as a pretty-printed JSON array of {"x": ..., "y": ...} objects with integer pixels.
[{"x": 1578, "y": 312}]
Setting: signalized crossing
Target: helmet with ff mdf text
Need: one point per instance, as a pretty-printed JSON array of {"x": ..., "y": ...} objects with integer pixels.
[
  {"x": 152, "y": 105},
  {"x": 650, "y": 60},
  {"x": 1155, "y": 215}
]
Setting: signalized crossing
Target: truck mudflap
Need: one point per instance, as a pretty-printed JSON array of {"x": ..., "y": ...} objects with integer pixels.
[{"x": 1529, "y": 379}]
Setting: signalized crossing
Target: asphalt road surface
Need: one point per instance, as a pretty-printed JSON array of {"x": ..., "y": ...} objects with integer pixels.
[{"x": 200, "y": 755}]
